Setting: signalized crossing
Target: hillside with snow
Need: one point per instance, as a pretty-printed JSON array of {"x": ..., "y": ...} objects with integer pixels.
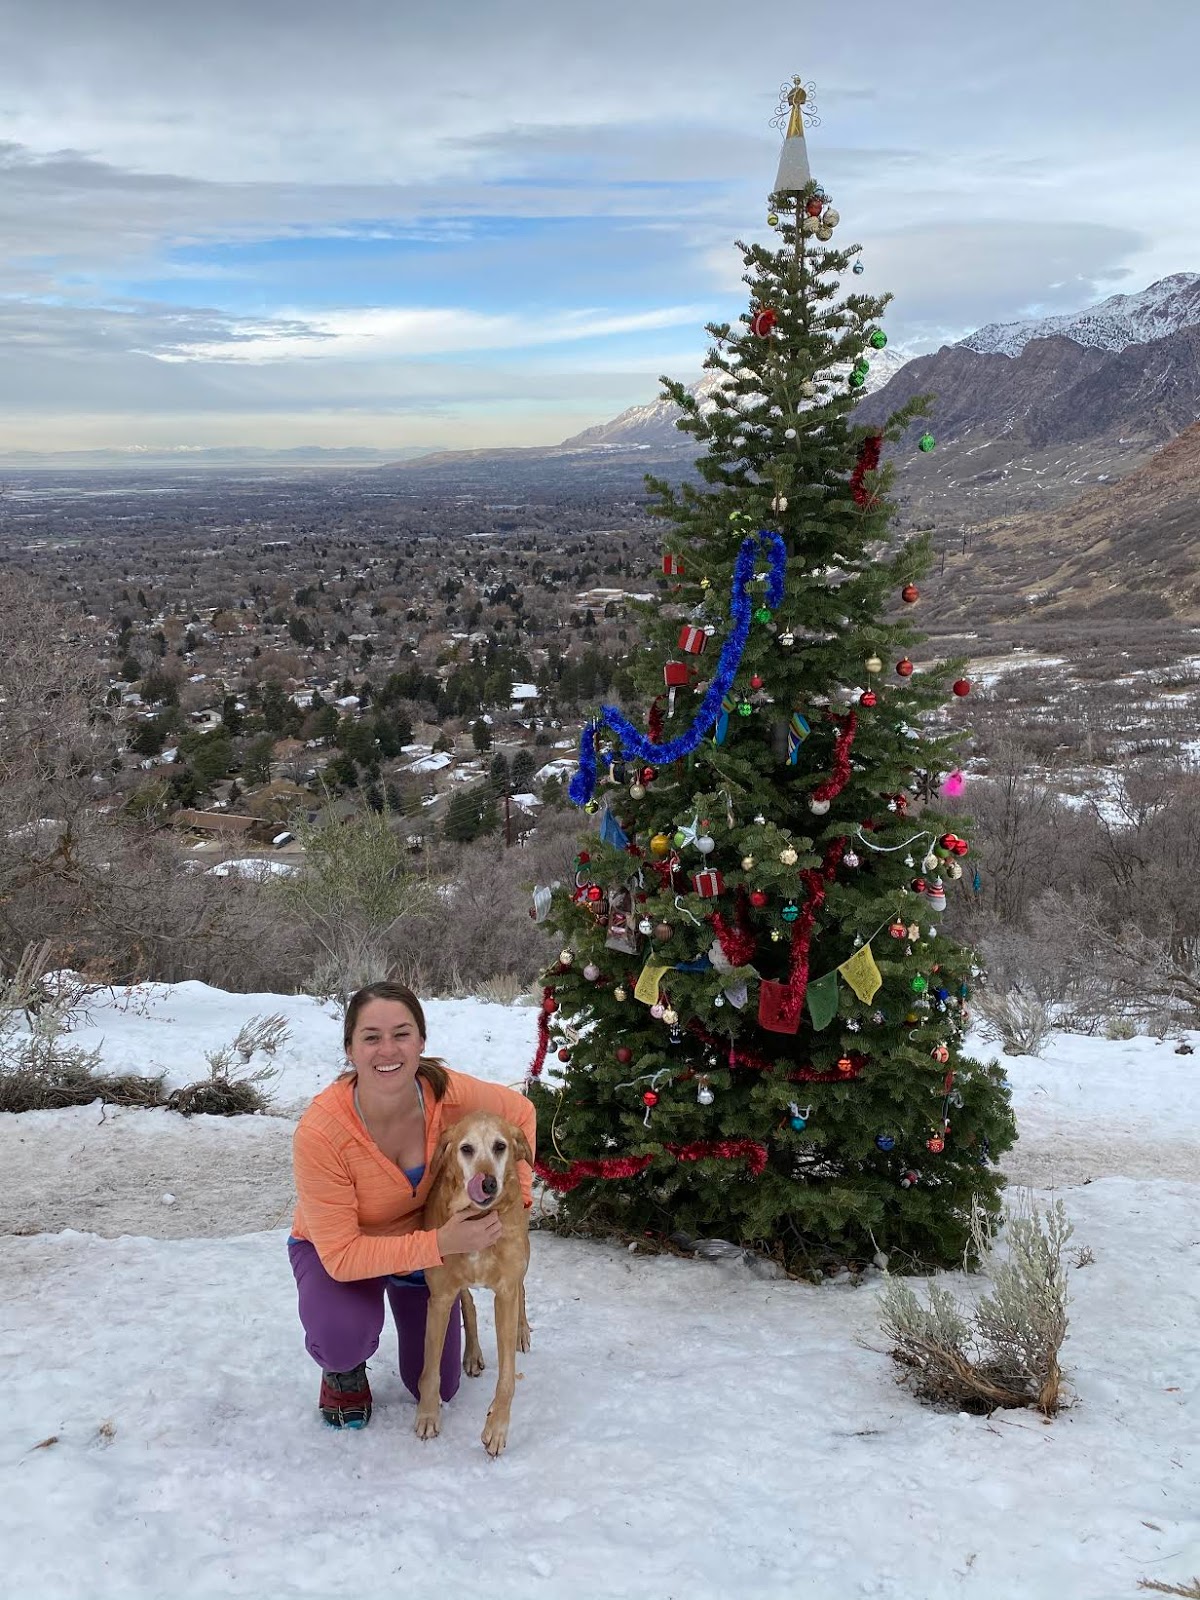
[
  {"x": 682, "y": 1427},
  {"x": 1121, "y": 320}
]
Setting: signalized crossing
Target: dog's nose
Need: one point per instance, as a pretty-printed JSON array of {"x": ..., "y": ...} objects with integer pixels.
[{"x": 489, "y": 1185}]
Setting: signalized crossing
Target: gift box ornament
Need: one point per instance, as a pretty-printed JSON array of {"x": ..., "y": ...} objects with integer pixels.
[
  {"x": 709, "y": 883},
  {"x": 675, "y": 674},
  {"x": 672, "y": 566},
  {"x": 692, "y": 640}
]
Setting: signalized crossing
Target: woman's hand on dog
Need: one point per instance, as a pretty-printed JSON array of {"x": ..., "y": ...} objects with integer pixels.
[{"x": 464, "y": 1235}]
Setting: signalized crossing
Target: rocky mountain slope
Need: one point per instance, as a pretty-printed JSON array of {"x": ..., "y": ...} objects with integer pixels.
[
  {"x": 1034, "y": 429},
  {"x": 1126, "y": 553}
]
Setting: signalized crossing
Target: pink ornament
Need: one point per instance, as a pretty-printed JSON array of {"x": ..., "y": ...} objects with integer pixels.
[{"x": 953, "y": 784}]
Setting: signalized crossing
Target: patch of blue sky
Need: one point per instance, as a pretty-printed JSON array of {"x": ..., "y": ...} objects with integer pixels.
[{"x": 486, "y": 264}]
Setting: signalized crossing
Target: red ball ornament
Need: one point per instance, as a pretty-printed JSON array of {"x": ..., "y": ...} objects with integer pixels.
[
  {"x": 910, "y": 594},
  {"x": 814, "y": 206},
  {"x": 649, "y": 1098},
  {"x": 935, "y": 1143},
  {"x": 762, "y": 322},
  {"x": 648, "y": 774},
  {"x": 595, "y": 892},
  {"x": 960, "y": 847},
  {"x": 583, "y": 858},
  {"x": 897, "y": 930},
  {"x": 758, "y": 898},
  {"x": 549, "y": 1005},
  {"x": 845, "y": 1066},
  {"x": 756, "y": 682},
  {"x": 918, "y": 885},
  {"x": 868, "y": 699},
  {"x": 962, "y": 687},
  {"x": 904, "y": 667},
  {"x": 624, "y": 1054},
  {"x": 564, "y": 1055}
]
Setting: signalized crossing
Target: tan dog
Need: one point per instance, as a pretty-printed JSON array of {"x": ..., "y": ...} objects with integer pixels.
[{"x": 474, "y": 1172}]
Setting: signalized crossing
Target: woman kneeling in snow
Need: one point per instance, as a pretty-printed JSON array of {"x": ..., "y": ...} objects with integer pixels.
[{"x": 361, "y": 1157}]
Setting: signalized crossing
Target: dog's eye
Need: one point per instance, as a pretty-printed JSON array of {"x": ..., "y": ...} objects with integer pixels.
[
  {"x": 499, "y": 1148},
  {"x": 467, "y": 1149}
]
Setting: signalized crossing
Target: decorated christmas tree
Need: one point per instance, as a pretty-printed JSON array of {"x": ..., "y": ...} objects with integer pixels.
[{"x": 755, "y": 1027}]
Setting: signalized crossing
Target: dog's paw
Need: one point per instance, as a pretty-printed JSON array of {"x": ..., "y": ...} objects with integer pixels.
[
  {"x": 473, "y": 1363},
  {"x": 523, "y": 1338},
  {"x": 495, "y": 1435},
  {"x": 428, "y": 1424}
]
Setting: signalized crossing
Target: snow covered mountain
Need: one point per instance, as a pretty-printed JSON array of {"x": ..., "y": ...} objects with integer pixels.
[
  {"x": 1121, "y": 320},
  {"x": 654, "y": 424}
]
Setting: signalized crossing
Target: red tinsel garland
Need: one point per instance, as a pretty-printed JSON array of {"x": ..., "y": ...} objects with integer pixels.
[
  {"x": 543, "y": 1044},
  {"x": 837, "y": 781},
  {"x": 868, "y": 461},
  {"x": 738, "y": 943},
  {"x": 654, "y": 720},
  {"x": 631, "y": 1166}
]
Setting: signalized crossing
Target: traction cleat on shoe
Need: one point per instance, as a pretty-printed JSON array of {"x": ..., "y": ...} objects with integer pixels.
[{"x": 346, "y": 1398}]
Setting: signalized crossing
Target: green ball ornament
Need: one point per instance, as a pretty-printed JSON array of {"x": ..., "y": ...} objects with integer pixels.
[
  {"x": 878, "y": 339},
  {"x": 762, "y": 614},
  {"x": 591, "y": 807},
  {"x": 926, "y": 442},
  {"x": 679, "y": 840},
  {"x": 920, "y": 985},
  {"x": 772, "y": 219},
  {"x": 790, "y": 912},
  {"x": 857, "y": 379},
  {"x": 745, "y": 708}
]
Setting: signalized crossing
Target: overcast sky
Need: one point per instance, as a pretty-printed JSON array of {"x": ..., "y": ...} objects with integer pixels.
[{"x": 400, "y": 222}]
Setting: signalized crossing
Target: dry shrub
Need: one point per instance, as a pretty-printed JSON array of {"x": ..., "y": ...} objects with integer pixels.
[
  {"x": 1190, "y": 1592},
  {"x": 1021, "y": 1022},
  {"x": 1005, "y": 1352},
  {"x": 225, "y": 1093}
]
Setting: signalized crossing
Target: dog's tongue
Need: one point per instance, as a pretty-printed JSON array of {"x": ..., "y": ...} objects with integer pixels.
[{"x": 475, "y": 1189}]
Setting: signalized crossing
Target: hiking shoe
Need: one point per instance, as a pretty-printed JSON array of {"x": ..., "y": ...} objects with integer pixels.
[{"x": 346, "y": 1398}]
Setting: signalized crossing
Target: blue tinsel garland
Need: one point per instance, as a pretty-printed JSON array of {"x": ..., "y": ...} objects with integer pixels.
[{"x": 741, "y": 609}]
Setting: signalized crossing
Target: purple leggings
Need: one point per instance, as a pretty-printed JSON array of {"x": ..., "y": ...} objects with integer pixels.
[{"x": 343, "y": 1321}]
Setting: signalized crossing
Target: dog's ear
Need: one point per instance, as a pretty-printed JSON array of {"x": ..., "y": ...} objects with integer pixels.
[
  {"x": 520, "y": 1146},
  {"x": 440, "y": 1154}
]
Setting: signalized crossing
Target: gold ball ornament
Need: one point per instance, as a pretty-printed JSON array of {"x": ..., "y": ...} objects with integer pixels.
[
  {"x": 808, "y": 388},
  {"x": 824, "y": 234},
  {"x": 670, "y": 1016},
  {"x": 637, "y": 791},
  {"x": 811, "y": 224},
  {"x": 747, "y": 863},
  {"x": 620, "y": 993},
  {"x": 788, "y": 856},
  {"x": 831, "y": 218},
  {"x": 660, "y": 845},
  {"x": 772, "y": 219},
  {"x": 874, "y": 664},
  {"x": 775, "y": 936}
]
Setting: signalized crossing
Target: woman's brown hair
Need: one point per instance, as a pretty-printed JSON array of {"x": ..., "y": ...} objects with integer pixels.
[{"x": 432, "y": 1069}]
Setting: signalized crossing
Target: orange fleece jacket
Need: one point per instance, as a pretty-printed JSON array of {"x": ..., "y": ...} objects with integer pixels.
[{"x": 356, "y": 1207}]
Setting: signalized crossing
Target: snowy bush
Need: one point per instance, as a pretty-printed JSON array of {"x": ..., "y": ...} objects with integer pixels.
[
  {"x": 226, "y": 1094},
  {"x": 38, "y": 1072},
  {"x": 1005, "y": 1352}
]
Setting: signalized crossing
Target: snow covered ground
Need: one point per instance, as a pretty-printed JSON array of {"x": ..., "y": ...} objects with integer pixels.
[{"x": 681, "y": 1430}]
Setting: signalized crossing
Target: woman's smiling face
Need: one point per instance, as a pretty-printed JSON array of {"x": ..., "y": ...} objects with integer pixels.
[{"x": 386, "y": 1045}]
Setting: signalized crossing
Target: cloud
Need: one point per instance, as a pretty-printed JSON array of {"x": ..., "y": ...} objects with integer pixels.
[{"x": 382, "y": 333}]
